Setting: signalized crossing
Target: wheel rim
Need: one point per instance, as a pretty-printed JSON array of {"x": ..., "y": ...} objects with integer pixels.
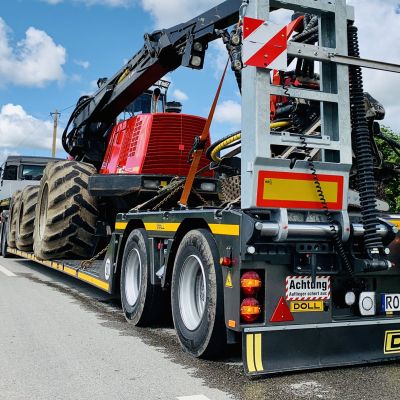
[
  {"x": 133, "y": 274},
  {"x": 192, "y": 292},
  {"x": 43, "y": 211}
]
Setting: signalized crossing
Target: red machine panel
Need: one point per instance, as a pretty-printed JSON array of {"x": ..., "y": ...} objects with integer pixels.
[{"x": 153, "y": 144}]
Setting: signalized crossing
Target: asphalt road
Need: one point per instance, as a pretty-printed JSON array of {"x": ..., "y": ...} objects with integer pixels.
[{"x": 62, "y": 339}]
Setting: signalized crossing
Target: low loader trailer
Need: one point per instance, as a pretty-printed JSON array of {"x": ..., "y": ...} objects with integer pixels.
[{"x": 287, "y": 249}]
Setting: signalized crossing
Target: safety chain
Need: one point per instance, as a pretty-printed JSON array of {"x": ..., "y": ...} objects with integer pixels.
[
  {"x": 85, "y": 264},
  {"x": 199, "y": 196},
  {"x": 163, "y": 201},
  {"x": 229, "y": 206}
]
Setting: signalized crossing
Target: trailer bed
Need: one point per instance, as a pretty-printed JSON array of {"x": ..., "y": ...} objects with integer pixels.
[{"x": 72, "y": 268}]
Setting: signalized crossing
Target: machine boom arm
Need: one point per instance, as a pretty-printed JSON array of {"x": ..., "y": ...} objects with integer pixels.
[{"x": 163, "y": 52}]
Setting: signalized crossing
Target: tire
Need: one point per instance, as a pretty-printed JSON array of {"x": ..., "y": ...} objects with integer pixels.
[
  {"x": 13, "y": 216},
  {"x": 197, "y": 296},
  {"x": 3, "y": 240},
  {"x": 26, "y": 218},
  {"x": 66, "y": 214},
  {"x": 141, "y": 301}
]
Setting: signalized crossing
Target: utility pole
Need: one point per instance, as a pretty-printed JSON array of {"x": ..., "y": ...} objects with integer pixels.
[{"x": 55, "y": 116}]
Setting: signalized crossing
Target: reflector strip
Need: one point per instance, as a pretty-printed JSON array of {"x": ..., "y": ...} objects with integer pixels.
[
  {"x": 298, "y": 190},
  {"x": 250, "y": 353},
  {"x": 258, "y": 352},
  {"x": 161, "y": 226},
  {"x": 225, "y": 229},
  {"x": 63, "y": 268},
  {"x": 94, "y": 281},
  {"x": 120, "y": 226},
  {"x": 254, "y": 352}
]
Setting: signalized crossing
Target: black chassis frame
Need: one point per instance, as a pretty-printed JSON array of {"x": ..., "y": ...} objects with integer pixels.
[{"x": 312, "y": 340}]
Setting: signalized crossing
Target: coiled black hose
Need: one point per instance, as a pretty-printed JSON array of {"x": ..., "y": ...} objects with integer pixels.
[
  {"x": 337, "y": 241},
  {"x": 363, "y": 149}
]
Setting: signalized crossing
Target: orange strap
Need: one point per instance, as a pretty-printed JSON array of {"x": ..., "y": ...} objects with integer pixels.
[{"x": 199, "y": 152}]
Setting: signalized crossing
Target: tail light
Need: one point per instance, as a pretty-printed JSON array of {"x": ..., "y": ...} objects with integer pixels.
[
  {"x": 250, "y": 283},
  {"x": 250, "y": 309},
  {"x": 252, "y": 297}
]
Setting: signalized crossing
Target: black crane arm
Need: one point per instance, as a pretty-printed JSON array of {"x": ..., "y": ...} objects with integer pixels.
[{"x": 163, "y": 52}]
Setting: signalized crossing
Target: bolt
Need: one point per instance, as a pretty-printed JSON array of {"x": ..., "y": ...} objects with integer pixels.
[
  {"x": 387, "y": 251},
  {"x": 251, "y": 250}
]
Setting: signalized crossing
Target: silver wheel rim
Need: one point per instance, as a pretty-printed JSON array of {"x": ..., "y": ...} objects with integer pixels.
[
  {"x": 132, "y": 277},
  {"x": 192, "y": 293}
]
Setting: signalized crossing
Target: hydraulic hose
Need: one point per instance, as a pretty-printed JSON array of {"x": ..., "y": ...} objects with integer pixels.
[
  {"x": 228, "y": 141},
  {"x": 364, "y": 156}
]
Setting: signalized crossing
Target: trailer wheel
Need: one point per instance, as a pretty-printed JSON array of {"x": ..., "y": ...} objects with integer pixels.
[
  {"x": 66, "y": 214},
  {"x": 26, "y": 218},
  {"x": 197, "y": 296},
  {"x": 13, "y": 216},
  {"x": 141, "y": 301}
]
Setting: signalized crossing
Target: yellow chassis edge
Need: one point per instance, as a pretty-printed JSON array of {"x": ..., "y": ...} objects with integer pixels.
[{"x": 76, "y": 273}]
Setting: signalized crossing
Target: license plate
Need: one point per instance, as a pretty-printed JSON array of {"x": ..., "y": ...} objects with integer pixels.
[{"x": 390, "y": 302}]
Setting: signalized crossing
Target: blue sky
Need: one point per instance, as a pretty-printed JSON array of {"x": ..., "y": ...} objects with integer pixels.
[{"x": 53, "y": 51}]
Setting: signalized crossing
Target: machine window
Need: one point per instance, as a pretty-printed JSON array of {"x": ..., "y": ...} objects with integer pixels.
[
  {"x": 32, "y": 172},
  {"x": 10, "y": 173}
]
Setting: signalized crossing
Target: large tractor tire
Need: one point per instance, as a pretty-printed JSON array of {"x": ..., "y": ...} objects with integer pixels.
[
  {"x": 26, "y": 218},
  {"x": 66, "y": 214},
  {"x": 14, "y": 212}
]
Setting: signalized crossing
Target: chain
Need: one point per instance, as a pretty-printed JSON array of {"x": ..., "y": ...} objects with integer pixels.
[
  {"x": 199, "y": 196},
  {"x": 85, "y": 264},
  {"x": 229, "y": 205},
  {"x": 163, "y": 201}
]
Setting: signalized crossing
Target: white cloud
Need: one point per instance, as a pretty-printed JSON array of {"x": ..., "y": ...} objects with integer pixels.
[
  {"x": 82, "y": 63},
  {"x": 169, "y": 13},
  {"x": 110, "y": 3},
  {"x": 179, "y": 95},
  {"x": 18, "y": 128},
  {"x": 4, "y": 153},
  {"x": 219, "y": 56},
  {"x": 34, "y": 61},
  {"x": 230, "y": 112}
]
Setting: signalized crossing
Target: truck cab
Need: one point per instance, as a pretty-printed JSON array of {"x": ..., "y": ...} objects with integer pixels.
[{"x": 16, "y": 174}]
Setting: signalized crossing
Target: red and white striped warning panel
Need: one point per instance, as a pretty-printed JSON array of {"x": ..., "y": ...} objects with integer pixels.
[
  {"x": 264, "y": 44},
  {"x": 303, "y": 288}
]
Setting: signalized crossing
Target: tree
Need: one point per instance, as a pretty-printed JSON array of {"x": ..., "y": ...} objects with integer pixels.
[{"x": 390, "y": 178}]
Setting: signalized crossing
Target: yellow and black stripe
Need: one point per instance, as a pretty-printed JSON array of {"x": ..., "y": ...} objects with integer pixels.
[
  {"x": 216, "y": 229},
  {"x": 82, "y": 276},
  {"x": 254, "y": 352}
]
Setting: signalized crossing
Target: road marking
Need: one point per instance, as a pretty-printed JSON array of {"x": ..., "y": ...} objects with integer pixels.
[
  {"x": 195, "y": 397},
  {"x": 5, "y": 271}
]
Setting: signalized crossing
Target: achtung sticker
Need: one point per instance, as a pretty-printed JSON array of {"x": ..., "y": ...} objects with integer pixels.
[
  {"x": 306, "y": 306},
  {"x": 304, "y": 288},
  {"x": 228, "y": 282},
  {"x": 392, "y": 342}
]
